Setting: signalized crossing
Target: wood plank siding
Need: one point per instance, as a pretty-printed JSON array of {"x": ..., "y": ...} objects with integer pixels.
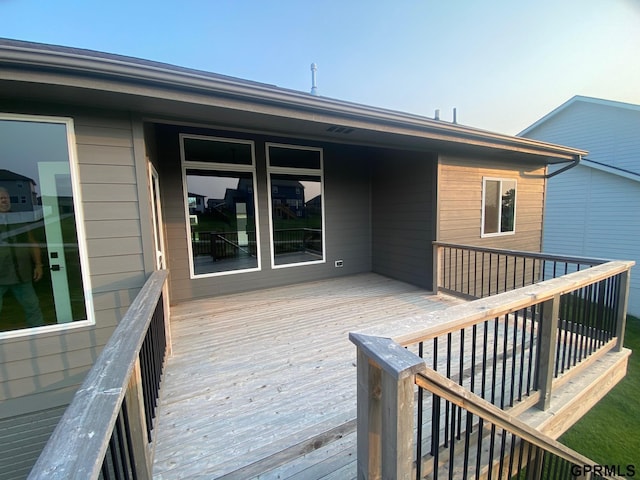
[
  {"x": 39, "y": 374},
  {"x": 460, "y": 202}
]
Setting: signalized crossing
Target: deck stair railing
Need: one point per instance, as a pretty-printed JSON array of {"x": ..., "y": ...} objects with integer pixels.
[
  {"x": 510, "y": 350},
  {"x": 106, "y": 431},
  {"x": 477, "y": 272}
]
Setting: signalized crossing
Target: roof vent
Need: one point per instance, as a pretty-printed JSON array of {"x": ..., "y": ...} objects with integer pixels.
[
  {"x": 314, "y": 87},
  {"x": 339, "y": 129}
]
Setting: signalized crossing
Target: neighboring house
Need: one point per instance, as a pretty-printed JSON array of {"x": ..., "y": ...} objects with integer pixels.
[
  {"x": 21, "y": 189},
  {"x": 117, "y": 131},
  {"x": 287, "y": 197},
  {"x": 196, "y": 203},
  {"x": 592, "y": 209}
]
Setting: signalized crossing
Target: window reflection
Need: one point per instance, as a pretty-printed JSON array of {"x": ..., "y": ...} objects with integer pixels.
[
  {"x": 40, "y": 270},
  {"x": 295, "y": 178},
  {"x": 296, "y": 204},
  {"x": 222, "y": 222}
]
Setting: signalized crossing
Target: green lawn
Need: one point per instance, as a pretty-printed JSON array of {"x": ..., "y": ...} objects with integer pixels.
[{"x": 610, "y": 432}]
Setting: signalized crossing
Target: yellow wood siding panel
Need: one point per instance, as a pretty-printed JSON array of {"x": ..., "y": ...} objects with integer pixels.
[{"x": 460, "y": 183}]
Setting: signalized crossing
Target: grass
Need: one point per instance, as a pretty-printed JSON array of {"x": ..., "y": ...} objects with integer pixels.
[{"x": 610, "y": 432}]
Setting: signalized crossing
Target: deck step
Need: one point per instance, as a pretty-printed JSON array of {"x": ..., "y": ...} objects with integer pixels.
[
  {"x": 572, "y": 400},
  {"x": 290, "y": 454}
]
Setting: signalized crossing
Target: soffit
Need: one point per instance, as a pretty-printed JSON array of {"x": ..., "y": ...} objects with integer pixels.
[{"x": 352, "y": 125}]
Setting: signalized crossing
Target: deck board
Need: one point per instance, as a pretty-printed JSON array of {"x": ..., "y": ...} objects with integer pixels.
[{"x": 253, "y": 375}]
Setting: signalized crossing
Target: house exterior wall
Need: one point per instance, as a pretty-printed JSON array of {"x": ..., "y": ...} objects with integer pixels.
[
  {"x": 347, "y": 219},
  {"x": 403, "y": 206},
  {"x": 460, "y": 202},
  {"x": 590, "y": 213},
  {"x": 41, "y": 372},
  {"x": 609, "y": 133}
]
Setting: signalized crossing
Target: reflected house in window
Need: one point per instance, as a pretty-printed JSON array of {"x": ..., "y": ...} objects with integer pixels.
[
  {"x": 22, "y": 190},
  {"x": 288, "y": 198},
  {"x": 241, "y": 195},
  {"x": 196, "y": 203},
  {"x": 314, "y": 206}
]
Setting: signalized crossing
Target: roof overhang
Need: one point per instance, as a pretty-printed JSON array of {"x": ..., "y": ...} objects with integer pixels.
[{"x": 40, "y": 72}]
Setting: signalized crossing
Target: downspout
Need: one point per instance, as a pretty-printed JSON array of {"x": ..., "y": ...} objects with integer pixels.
[{"x": 574, "y": 163}]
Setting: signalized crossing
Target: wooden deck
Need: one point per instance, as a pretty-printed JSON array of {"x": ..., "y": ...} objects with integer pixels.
[{"x": 263, "y": 384}]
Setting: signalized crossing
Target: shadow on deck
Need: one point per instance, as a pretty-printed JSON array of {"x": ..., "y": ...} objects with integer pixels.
[{"x": 263, "y": 384}]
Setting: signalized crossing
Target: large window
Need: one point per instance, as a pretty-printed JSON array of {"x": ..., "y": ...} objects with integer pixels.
[
  {"x": 498, "y": 207},
  {"x": 43, "y": 269},
  {"x": 296, "y": 205},
  {"x": 220, "y": 203}
]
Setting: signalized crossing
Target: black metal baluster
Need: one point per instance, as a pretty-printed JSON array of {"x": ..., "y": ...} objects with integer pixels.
[
  {"x": 503, "y": 448},
  {"x": 523, "y": 344},
  {"x": 505, "y": 346},
  {"x": 514, "y": 357},
  {"x": 494, "y": 362},
  {"x": 447, "y": 404},
  {"x": 419, "y": 421},
  {"x": 492, "y": 441},
  {"x": 484, "y": 358},
  {"x": 452, "y": 441},
  {"x": 531, "y": 345}
]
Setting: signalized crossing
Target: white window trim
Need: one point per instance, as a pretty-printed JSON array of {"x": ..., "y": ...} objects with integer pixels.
[
  {"x": 484, "y": 189},
  {"x": 80, "y": 231},
  {"x": 226, "y": 167},
  {"x": 295, "y": 171}
]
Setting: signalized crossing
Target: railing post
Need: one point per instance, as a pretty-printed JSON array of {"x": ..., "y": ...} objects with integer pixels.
[
  {"x": 135, "y": 406},
  {"x": 436, "y": 268},
  {"x": 623, "y": 300},
  {"x": 386, "y": 398},
  {"x": 369, "y": 417},
  {"x": 547, "y": 335}
]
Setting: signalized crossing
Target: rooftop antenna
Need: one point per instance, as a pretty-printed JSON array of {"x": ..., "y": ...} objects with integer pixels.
[{"x": 314, "y": 87}]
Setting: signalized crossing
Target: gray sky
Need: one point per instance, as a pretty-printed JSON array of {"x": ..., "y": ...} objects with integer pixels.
[{"x": 502, "y": 64}]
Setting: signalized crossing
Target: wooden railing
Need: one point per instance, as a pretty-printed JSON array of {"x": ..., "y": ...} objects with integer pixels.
[
  {"x": 222, "y": 245},
  {"x": 476, "y": 272},
  {"x": 291, "y": 240},
  {"x": 509, "y": 350},
  {"x": 106, "y": 431}
]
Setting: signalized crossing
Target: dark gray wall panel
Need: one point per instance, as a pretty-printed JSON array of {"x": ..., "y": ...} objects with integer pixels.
[
  {"x": 403, "y": 216},
  {"x": 347, "y": 218}
]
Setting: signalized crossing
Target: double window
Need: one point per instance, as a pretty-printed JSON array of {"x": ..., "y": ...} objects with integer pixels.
[
  {"x": 44, "y": 281},
  {"x": 219, "y": 184},
  {"x": 296, "y": 205},
  {"x": 222, "y": 206},
  {"x": 498, "y": 207}
]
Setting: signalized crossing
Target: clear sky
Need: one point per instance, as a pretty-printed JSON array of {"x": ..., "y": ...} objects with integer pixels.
[{"x": 503, "y": 64}]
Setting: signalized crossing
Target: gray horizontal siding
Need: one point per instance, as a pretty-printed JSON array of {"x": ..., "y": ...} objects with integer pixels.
[
  {"x": 402, "y": 217},
  {"x": 608, "y": 133},
  {"x": 22, "y": 438},
  {"x": 595, "y": 218},
  {"x": 590, "y": 212}
]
